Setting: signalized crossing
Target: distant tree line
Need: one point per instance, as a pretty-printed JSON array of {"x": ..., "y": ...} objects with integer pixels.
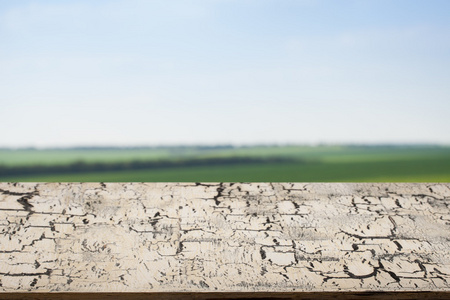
[
  {"x": 81, "y": 166},
  {"x": 119, "y": 148},
  {"x": 178, "y": 148}
]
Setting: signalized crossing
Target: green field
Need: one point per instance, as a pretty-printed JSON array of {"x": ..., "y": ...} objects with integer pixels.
[{"x": 304, "y": 163}]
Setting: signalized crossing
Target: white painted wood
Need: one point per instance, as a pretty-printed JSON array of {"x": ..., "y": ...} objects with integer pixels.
[{"x": 224, "y": 237}]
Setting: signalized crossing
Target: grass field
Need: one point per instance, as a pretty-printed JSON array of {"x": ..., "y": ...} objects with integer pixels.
[{"x": 308, "y": 164}]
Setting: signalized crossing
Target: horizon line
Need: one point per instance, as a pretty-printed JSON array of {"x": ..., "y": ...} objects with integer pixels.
[{"x": 221, "y": 145}]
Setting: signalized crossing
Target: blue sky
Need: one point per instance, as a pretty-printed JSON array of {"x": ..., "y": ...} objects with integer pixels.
[{"x": 132, "y": 72}]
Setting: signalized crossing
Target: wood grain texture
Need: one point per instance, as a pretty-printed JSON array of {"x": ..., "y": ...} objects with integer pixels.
[{"x": 224, "y": 237}]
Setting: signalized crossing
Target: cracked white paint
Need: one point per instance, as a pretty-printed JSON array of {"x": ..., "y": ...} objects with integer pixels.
[{"x": 278, "y": 237}]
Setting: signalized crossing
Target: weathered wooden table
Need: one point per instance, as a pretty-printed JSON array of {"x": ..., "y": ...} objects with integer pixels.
[{"x": 219, "y": 240}]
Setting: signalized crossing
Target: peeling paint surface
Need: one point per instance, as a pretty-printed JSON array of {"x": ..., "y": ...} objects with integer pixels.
[{"x": 224, "y": 237}]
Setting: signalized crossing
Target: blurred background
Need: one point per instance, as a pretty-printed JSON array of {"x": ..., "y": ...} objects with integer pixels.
[{"x": 225, "y": 90}]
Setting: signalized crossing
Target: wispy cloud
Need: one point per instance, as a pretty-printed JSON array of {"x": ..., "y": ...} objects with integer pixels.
[
  {"x": 359, "y": 39},
  {"x": 84, "y": 14}
]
